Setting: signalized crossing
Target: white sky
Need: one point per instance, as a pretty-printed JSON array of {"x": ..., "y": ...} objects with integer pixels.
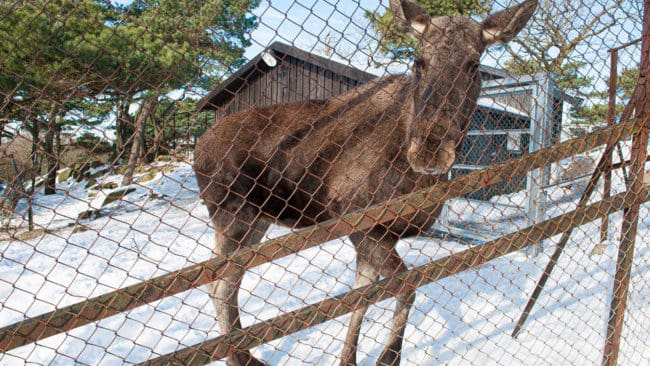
[
  {"x": 307, "y": 24},
  {"x": 310, "y": 24}
]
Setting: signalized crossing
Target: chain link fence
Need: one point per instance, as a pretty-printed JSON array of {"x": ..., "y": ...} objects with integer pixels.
[{"x": 324, "y": 182}]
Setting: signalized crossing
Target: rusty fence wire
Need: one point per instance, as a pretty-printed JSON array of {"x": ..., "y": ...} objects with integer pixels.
[{"x": 324, "y": 182}]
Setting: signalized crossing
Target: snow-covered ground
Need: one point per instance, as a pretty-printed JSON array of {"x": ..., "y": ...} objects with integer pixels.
[{"x": 465, "y": 319}]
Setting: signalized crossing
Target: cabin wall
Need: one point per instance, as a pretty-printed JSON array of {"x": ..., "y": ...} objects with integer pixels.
[{"x": 289, "y": 81}]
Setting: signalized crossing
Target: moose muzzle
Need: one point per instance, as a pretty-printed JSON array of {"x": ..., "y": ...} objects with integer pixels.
[{"x": 425, "y": 160}]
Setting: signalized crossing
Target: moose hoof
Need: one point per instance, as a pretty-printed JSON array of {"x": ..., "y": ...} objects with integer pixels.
[
  {"x": 389, "y": 358},
  {"x": 348, "y": 361},
  {"x": 244, "y": 359}
]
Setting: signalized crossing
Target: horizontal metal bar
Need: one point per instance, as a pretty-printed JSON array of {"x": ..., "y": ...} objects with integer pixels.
[
  {"x": 61, "y": 320},
  {"x": 496, "y": 132},
  {"x": 334, "y": 307},
  {"x": 468, "y": 167},
  {"x": 510, "y": 82},
  {"x": 624, "y": 45},
  {"x": 619, "y": 165}
]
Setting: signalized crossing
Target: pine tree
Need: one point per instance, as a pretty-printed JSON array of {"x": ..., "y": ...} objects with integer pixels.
[
  {"x": 60, "y": 56},
  {"x": 398, "y": 45}
]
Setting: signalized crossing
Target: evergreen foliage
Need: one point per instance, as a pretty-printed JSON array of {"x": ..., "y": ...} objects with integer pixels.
[
  {"x": 396, "y": 44},
  {"x": 79, "y": 62}
]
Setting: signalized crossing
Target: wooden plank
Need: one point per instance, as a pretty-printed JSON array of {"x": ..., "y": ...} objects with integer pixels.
[
  {"x": 282, "y": 83},
  {"x": 313, "y": 81},
  {"x": 320, "y": 82},
  {"x": 268, "y": 88},
  {"x": 244, "y": 95},
  {"x": 265, "y": 88},
  {"x": 329, "y": 84},
  {"x": 300, "y": 81},
  {"x": 289, "y": 88},
  {"x": 309, "y": 316},
  {"x": 253, "y": 95},
  {"x": 293, "y": 80}
]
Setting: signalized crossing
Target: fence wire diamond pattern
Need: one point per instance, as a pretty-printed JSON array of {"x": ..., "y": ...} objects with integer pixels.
[{"x": 324, "y": 182}]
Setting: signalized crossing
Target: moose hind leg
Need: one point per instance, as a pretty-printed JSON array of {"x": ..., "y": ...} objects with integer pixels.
[
  {"x": 224, "y": 291},
  {"x": 391, "y": 355},
  {"x": 366, "y": 274},
  {"x": 381, "y": 254}
]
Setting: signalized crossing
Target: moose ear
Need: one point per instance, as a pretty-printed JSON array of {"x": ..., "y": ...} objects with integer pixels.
[
  {"x": 503, "y": 26},
  {"x": 410, "y": 17}
]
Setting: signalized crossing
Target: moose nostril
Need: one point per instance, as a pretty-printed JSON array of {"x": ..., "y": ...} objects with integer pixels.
[
  {"x": 435, "y": 171},
  {"x": 414, "y": 148}
]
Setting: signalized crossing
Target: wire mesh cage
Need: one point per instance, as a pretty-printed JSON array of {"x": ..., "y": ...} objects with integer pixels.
[{"x": 324, "y": 182}]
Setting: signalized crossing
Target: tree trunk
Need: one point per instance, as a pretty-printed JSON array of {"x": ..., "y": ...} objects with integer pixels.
[
  {"x": 137, "y": 146},
  {"x": 50, "y": 155},
  {"x": 123, "y": 121},
  {"x": 144, "y": 149},
  {"x": 52, "y": 158},
  {"x": 57, "y": 141},
  {"x": 35, "y": 171},
  {"x": 158, "y": 138},
  {"x": 13, "y": 193},
  {"x": 3, "y": 123}
]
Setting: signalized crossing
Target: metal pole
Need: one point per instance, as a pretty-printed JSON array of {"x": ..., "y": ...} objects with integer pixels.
[
  {"x": 539, "y": 139},
  {"x": 625, "y": 251},
  {"x": 611, "y": 116},
  {"x": 631, "y": 214}
]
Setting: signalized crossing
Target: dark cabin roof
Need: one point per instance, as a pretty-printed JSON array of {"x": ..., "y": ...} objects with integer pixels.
[
  {"x": 226, "y": 90},
  {"x": 229, "y": 87}
]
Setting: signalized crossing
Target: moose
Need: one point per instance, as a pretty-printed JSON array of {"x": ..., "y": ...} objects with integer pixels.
[{"x": 301, "y": 163}]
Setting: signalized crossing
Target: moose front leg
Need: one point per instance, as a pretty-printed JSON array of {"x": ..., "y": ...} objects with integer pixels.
[
  {"x": 233, "y": 233},
  {"x": 223, "y": 293},
  {"x": 376, "y": 255}
]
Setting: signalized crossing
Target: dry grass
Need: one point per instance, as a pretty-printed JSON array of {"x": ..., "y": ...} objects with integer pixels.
[{"x": 19, "y": 148}]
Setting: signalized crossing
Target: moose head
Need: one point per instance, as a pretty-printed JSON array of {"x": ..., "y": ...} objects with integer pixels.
[{"x": 446, "y": 82}]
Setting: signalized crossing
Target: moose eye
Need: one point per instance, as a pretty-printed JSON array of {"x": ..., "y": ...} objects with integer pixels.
[
  {"x": 472, "y": 66},
  {"x": 418, "y": 62}
]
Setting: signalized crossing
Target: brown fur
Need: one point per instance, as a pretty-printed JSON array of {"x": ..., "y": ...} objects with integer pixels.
[{"x": 301, "y": 163}]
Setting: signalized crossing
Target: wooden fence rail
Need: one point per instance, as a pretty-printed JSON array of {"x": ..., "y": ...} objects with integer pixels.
[
  {"x": 331, "y": 308},
  {"x": 67, "y": 318}
]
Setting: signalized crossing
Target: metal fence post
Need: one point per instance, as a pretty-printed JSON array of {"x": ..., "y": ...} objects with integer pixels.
[
  {"x": 540, "y": 137},
  {"x": 631, "y": 215}
]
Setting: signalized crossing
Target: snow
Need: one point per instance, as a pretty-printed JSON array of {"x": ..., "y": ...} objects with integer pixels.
[
  {"x": 488, "y": 102},
  {"x": 162, "y": 226}
]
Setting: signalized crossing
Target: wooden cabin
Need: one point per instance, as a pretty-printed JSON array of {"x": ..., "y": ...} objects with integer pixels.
[{"x": 500, "y": 128}]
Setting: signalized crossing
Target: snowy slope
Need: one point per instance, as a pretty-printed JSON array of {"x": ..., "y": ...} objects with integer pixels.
[{"x": 162, "y": 226}]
